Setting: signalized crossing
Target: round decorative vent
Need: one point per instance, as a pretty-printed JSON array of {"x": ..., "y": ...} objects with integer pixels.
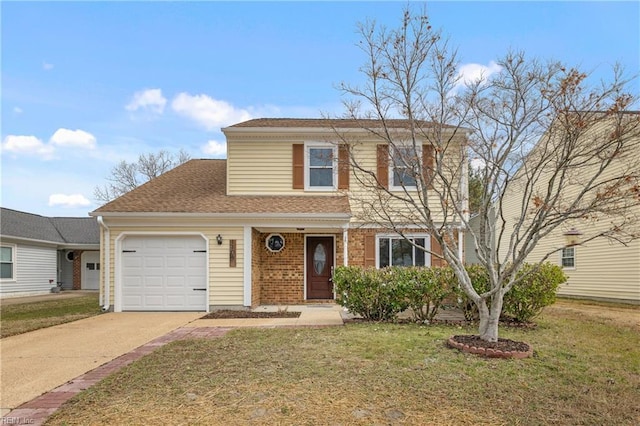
[
  {"x": 275, "y": 243},
  {"x": 70, "y": 256}
]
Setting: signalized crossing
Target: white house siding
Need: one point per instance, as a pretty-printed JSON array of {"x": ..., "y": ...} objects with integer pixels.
[
  {"x": 35, "y": 271},
  {"x": 226, "y": 284}
]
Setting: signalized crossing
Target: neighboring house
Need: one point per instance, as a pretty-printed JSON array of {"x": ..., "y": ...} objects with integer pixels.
[
  {"x": 599, "y": 269},
  {"x": 265, "y": 226},
  {"x": 40, "y": 253}
]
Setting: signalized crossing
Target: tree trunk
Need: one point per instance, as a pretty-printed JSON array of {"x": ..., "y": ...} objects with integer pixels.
[{"x": 490, "y": 318}]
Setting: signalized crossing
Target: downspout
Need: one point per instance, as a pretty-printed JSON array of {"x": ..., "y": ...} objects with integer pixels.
[{"x": 106, "y": 267}]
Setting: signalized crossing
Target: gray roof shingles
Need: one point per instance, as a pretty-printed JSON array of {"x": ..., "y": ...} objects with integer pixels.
[{"x": 60, "y": 230}]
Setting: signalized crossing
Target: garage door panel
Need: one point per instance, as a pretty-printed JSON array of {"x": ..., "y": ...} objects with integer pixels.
[{"x": 160, "y": 273}]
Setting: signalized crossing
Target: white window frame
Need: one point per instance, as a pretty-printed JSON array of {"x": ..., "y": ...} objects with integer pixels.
[
  {"x": 308, "y": 146},
  {"x": 563, "y": 257},
  {"x": 13, "y": 262},
  {"x": 392, "y": 166},
  {"x": 427, "y": 246}
]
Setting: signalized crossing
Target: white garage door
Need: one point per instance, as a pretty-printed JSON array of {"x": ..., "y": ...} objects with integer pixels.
[{"x": 164, "y": 273}]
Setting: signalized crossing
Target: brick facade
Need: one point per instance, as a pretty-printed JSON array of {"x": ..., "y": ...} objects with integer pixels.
[
  {"x": 278, "y": 278},
  {"x": 77, "y": 269},
  {"x": 281, "y": 274}
]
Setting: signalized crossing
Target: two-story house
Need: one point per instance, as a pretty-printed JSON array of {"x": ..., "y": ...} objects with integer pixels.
[{"x": 265, "y": 226}]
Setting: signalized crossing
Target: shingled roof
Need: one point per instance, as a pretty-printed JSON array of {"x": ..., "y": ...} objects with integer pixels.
[
  {"x": 324, "y": 123},
  {"x": 199, "y": 186},
  {"x": 60, "y": 230}
]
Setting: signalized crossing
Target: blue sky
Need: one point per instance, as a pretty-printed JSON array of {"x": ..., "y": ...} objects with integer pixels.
[{"x": 88, "y": 84}]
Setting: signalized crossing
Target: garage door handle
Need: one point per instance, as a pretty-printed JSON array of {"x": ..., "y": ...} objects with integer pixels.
[
  {"x": 199, "y": 289},
  {"x": 128, "y": 251}
]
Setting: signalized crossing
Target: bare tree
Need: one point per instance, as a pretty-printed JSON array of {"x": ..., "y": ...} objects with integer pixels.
[
  {"x": 126, "y": 176},
  {"x": 565, "y": 151}
]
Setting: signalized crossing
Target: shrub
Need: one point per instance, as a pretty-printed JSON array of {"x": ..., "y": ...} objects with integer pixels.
[
  {"x": 538, "y": 289},
  {"x": 426, "y": 288},
  {"x": 374, "y": 294},
  {"x": 526, "y": 299},
  {"x": 480, "y": 281}
]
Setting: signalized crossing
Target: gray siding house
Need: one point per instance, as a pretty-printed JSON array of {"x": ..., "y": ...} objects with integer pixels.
[{"x": 38, "y": 253}]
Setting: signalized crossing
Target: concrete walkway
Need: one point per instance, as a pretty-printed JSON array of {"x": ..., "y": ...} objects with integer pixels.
[
  {"x": 38, "y": 361},
  {"x": 44, "y": 368}
]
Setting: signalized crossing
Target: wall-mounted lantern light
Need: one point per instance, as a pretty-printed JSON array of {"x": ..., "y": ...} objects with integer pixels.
[
  {"x": 219, "y": 239},
  {"x": 572, "y": 237}
]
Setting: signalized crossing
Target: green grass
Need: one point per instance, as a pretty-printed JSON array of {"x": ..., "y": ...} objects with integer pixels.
[
  {"x": 586, "y": 371},
  {"x": 24, "y": 317}
]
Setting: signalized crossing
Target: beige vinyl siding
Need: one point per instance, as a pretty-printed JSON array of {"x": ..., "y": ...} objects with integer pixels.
[
  {"x": 226, "y": 284},
  {"x": 361, "y": 195},
  {"x": 35, "y": 267},
  {"x": 604, "y": 269},
  {"x": 260, "y": 167}
]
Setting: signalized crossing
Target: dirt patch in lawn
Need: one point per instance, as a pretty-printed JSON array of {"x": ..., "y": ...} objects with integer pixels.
[
  {"x": 628, "y": 316},
  {"x": 231, "y": 314}
]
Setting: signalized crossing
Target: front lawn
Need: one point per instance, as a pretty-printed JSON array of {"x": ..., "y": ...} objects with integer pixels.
[
  {"x": 24, "y": 317},
  {"x": 585, "y": 371}
]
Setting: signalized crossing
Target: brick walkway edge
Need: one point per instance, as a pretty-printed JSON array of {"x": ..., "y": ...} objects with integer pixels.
[{"x": 36, "y": 411}]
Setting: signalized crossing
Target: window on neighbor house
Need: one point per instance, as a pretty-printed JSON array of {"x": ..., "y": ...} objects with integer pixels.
[
  {"x": 402, "y": 165},
  {"x": 321, "y": 167},
  {"x": 568, "y": 257},
  {"x": 396, "y": 251},
  {"x": 7, "y": 262}
]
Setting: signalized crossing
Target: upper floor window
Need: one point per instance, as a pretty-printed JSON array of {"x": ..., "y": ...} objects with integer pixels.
[
  {"x": 403, "y": 165},
  {"x": 7, "y": 262},
  {"x": 568, "y": 257},
  {"x": 320, "y": 167},
  {"x": 397, "y": 251}
]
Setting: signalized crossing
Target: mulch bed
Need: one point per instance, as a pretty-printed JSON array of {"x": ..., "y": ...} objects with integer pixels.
[
  {"x": 503, "y": 348},
  {"x": 231, "y": 314}
]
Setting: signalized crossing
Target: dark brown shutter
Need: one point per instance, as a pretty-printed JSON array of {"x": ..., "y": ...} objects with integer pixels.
[
  {"x": 298, "y": 166},
  {"x": 369, "y": 251},
  {"x": 343, "y": 167},
  {"x": 436, "y": 249},
  {"x": 428, "y": 163},
  {"x": 383, "y": 165}
]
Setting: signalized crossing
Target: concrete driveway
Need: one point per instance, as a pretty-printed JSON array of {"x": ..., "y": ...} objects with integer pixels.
[{"x": 38, "y": 361}]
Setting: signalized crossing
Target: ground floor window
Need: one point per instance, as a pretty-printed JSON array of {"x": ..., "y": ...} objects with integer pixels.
[
  {"x": 7, "y": 256},
  {"x": 568, "y": 257},
  {"x": 397, "y": 251}
]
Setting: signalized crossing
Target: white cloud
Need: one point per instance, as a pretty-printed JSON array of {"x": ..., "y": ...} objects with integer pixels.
[
  {"x": 73, "y": 138},
  {"x": 68, "y": 201},
  {"x": 46, "y": 66},
  {"x": 208, "y": 112},
  {"x": 150, "y": 100},
  {"x": 472, "y": 73},
  {"x": 29, "y": 145},
  {"x": 17, "y": 110},
  {"x": 215, "y": 149}
]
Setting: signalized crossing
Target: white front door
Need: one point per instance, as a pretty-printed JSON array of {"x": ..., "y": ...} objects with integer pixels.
[
  {"x": 90, "y": 278},
  {"x": 164, "y": 273}
]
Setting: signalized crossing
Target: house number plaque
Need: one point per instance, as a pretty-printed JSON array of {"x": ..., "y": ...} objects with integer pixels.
[{"x": 275, "y": 243}]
